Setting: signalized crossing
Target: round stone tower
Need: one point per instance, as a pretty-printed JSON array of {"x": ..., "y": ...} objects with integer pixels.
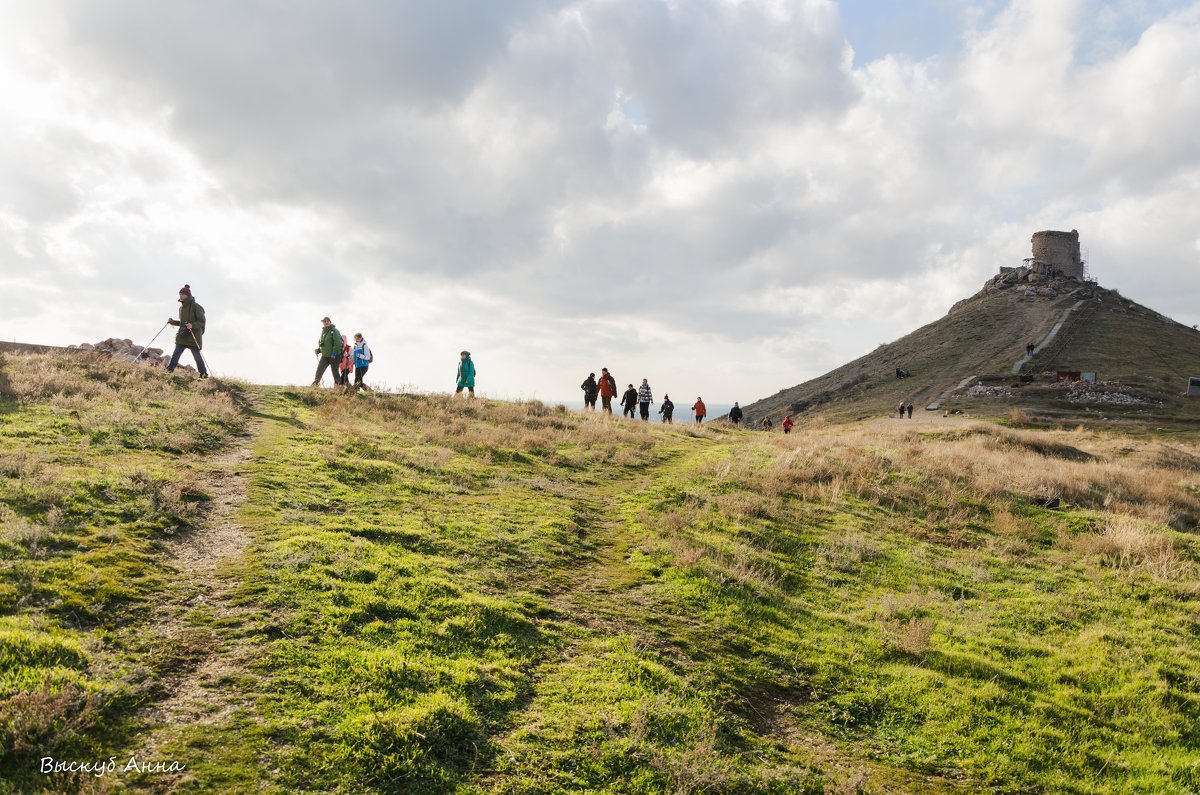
[{"x": 1060, "y": 250}]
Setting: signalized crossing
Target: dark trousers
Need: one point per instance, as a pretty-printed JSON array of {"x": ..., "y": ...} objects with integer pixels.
[
  {"x": 324, "y": 363},
  {"x": 359, "y": 372},
  {"x": 628, "y": 411},
  {"x": 644, "y": 410},
  {"x": 606, "y": 403},
  {"x": 179, "y": 349},
  {"x": 589, "y": 402},
  {"x": 667, "y": 418}
]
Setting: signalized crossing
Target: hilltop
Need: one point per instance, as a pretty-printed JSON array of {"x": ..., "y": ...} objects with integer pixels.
[
  {"x": 295, "y": 590},
  {"x": 1077, "y": 326}
]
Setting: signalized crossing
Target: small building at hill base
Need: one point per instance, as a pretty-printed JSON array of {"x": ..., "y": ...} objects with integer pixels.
[
  {"x": 1194, "y": 386},
  {"x": 1068, "y": 375}
]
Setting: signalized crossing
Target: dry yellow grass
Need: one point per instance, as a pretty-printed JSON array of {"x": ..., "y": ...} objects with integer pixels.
[
  {"x": 1128, "y": 543},
  {"x": 974, "y": 463}
]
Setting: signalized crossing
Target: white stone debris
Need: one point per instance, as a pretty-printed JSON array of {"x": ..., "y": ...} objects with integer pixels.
[
  {"x": 982, "y": 390},
  {"x": 1102, "y": 392}
]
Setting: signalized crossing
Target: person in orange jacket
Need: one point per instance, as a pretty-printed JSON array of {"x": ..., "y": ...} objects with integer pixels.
[
  {"x": 608, "y": 389},
  {"x": 787, "y": 424},
  {"x": 700, "y": 410}
]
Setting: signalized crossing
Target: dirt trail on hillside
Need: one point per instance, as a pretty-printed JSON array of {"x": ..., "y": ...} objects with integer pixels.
[{"x": 200, "y": 622}]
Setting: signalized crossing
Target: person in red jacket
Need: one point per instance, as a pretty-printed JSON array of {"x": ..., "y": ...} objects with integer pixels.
[
  {"x": 699, "y": 409},
  {"x": 787, "y": 424},
  {"x": 608, "y": 389}
]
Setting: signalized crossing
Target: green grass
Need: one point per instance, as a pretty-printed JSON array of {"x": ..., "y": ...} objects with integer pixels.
[
  {"x": 93, "y": 479},
  {"x": 482, "y": 597}
]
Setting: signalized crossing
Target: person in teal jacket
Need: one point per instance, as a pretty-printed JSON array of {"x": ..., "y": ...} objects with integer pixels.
[
  {"x": 466, "y": 374},
  {"x": 329, "y": 349}
]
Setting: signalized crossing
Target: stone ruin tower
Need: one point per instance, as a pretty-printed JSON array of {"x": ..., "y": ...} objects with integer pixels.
[{"x": 1060, "y": 251}]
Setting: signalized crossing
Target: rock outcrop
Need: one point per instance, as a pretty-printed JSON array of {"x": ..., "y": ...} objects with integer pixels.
[{"x": 126, "y": 351}]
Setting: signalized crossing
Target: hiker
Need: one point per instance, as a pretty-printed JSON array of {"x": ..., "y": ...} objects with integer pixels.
[
  {"x": 787, "y": 424},
  {"x": 589, "y": 388},
  {"x": 767, "y": 424},
  {"x": 466, "y": 374},
  {"x": 700, "y": 410},
  {"x": 608, "y": 389},
  {"x": 666, "y": 410},
  {"x": 910, "y": 409},
  {"x": 347, "y": 363},
  {"x": 191, "y": 331},
  {"x": 901, "y": 409},
  {"x": 645, "y": 398},
  {"x": 329, "y": 349},
  {"x": 363, "y": 356},
  {"x": 629, "y": 402},
  {"x": 735, "y": 414}
]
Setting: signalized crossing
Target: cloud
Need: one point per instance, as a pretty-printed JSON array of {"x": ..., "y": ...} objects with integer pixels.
[{"x": 556, "y": 183}]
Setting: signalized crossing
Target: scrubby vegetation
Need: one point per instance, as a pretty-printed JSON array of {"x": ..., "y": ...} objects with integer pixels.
[{"x": 508, "y": 598}]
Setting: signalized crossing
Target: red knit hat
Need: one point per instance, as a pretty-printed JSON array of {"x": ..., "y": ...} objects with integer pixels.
[{"x": 186, "y": 290}]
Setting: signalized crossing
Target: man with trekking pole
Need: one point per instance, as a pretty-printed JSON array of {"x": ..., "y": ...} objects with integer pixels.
[{"x": 191, "y": 331}]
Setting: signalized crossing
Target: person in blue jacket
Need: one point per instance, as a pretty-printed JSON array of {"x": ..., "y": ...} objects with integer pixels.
[
  {"x": 363, "y": 356},
  {"x": 466, "y": 374}
]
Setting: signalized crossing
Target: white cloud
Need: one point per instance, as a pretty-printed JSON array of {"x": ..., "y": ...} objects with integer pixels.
[{"x": 708, "y": 194}]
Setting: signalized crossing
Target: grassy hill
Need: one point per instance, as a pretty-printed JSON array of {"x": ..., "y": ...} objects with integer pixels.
[
  {"x": 1147, "y": 354},
  {"x": 291, "y": 590}
]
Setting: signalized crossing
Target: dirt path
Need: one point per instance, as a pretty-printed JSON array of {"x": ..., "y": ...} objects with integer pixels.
[
  {"x": 200, "y": 625},
  {"x": 1016, "y": 368}
]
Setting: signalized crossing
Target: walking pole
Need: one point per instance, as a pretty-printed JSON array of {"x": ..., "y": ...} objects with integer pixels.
[
  {"x": 198, "y": 356},
  {"x": 151, "y": 342}
]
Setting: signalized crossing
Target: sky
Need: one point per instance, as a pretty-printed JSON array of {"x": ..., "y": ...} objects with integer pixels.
[{"x": 727, "y": 197}]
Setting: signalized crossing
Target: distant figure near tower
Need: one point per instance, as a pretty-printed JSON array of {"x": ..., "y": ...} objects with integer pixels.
[{"x": 1059, "y": 250}]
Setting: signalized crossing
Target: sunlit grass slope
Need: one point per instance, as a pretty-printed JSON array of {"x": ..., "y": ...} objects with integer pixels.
[
  {"x": 483, "y": 597},
  {"x": 94, "y": 477}
]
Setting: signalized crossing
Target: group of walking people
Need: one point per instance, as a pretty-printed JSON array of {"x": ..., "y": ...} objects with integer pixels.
[
  {"x": 336, "y": 354},
  {"x": 638, "y": 399},
  {"x": 636, "y": 402}
]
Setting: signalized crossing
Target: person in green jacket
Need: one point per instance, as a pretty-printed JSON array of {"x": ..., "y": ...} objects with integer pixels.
[
  {"x": 466, "y": 374},
  {"x": 191, "y": 331},
  {"x": 329, "y": 349}
]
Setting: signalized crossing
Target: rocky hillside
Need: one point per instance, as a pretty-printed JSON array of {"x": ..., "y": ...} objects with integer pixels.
[{"x": 981, "y": 342}]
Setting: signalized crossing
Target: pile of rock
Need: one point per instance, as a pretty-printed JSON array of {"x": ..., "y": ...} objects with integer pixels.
[
  {"x": 1037, "y": 281},
  {"x": 126, "y": 351},
  {"x": 1102, "y": 392},
  {"x": 981, "y": 390}
]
